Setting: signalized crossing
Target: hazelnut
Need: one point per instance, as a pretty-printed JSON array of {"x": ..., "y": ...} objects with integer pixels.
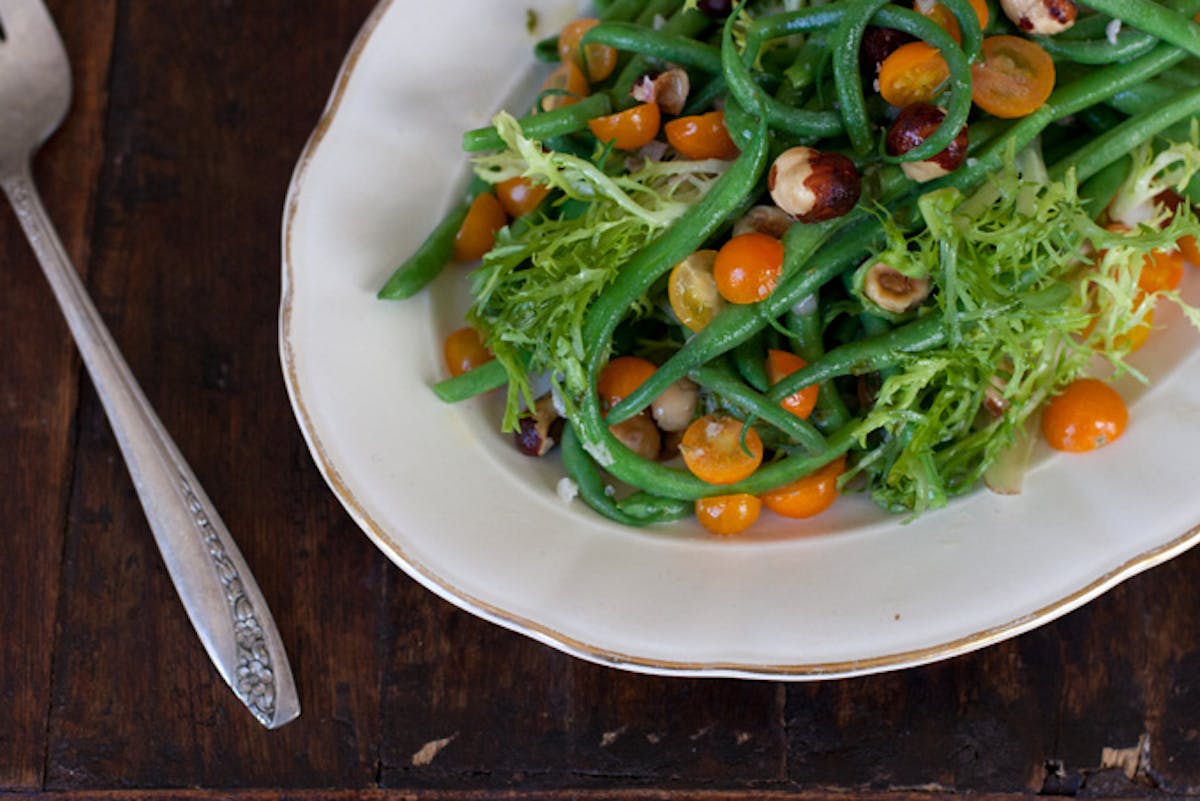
[
  {"x": 892, "y": 290},
  {"x": 769, "y": 220},
  {"x": 1045, "y": 17},
  {"x": 813, "y": 186},
  {"x": 912, "y": 127},
  {"x": 675, "y": 406},
  {"x": 640, "y": 435},
  {"x": 540, "y": 428},
  {"x": 669, "y": 89}
]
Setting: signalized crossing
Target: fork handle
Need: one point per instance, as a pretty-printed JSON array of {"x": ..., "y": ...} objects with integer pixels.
[{"x": 216, "y": 587}]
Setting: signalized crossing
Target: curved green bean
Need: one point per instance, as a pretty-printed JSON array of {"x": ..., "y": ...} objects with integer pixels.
[
  {"x": 656, "y": 44},
  {"x": 587, "y": 478},
  {"x": 562, "y": 120},
  {"x": 846, "y": 76},
  {"x": 721, "y": 379}
]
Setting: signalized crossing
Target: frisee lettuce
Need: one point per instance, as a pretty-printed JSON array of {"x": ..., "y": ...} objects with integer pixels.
[
  {"x": 1025, "y": 313},
  {"x": 534, "y": 287}
]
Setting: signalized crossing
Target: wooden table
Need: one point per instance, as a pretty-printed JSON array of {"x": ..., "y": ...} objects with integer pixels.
[{"x": 168, "y": 183}]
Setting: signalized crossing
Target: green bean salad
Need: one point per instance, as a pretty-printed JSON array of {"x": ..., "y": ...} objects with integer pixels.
[{"x": 738, "y": 256}]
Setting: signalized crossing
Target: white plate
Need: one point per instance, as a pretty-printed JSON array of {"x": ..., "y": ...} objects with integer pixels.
[{"x": 452, "y": 502}]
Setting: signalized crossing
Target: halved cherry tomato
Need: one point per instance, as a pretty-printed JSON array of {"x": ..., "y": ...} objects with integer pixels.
[
  {"x": 477, "y": 233},
  {"x": 721, "y": 449},
  {"x": 1190, "y": 249},
  {"x": 620, "y": 377},
  {"x": 566, "y": 85},
  {"x": 464, "y": 351},
  {"x": 781, "y": 364},
  {"x": 597, "y": 61},
  {"x": 728, "y": 514},
  {"x": 701, "y": 136},
  {"x": 1086, "y": 415},
  {"x": 747, "y": 267},
  {"x": 1012, "y": 78},
  {"x": 520, "y": 196},
  {"x": 809, "y": 495},
  {"x": 913, "y": 73},
  {"x": 944, "y": 18},
  {"x": 628, "y": 129},
  {"x": 692, "y": 290}
]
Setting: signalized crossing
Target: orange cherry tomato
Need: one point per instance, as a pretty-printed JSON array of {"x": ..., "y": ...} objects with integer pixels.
[
  {"x": 808, "y": 495},
  {"x": 721, "y": 449},
  {"x": 1086, "y": 415},
  {"x": 913, "y": 73},
  {"x": 620, "y": 377},
  {"x": 692, "y": 290},
  {"x": 597, "y": 61},
  {"x": 464, "y": 351},
  {"x": 944, "y": 18},
  {"x": 728, "y": 514},
  {"x": 1013, "y": 77},
  {"x": 477, "y": 233},
  {"x": 628, "y": 129},
  {"x": 564, "y": 86},
  {"x": 520, "y": 196},
  {"x": 701, "y": 136},
  {"x": 781, "y": 364},
  {"x": 1190, "y": 249},
  {"x": 747, "y": 267},
  {"x": 1162, "y": 271}
]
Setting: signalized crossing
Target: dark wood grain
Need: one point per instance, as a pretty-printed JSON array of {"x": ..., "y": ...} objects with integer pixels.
[{"x": 168, "y": 182}]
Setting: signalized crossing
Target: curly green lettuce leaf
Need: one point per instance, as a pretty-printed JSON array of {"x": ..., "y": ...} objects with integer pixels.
[
  {"x": 1024, "y": 313},
  {"x": 533, "y": 290}
]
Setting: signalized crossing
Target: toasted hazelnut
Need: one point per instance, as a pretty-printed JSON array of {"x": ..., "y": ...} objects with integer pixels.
[
  {"x": 675, "y": 406},
  {"x": 913, "y": 126},
  {"x": 669, "y": 89},
  {"x": 640, "y": 435},
  {"x": 1045, "y": 17},
  {"x": 540, "y": 428},
  {"x": 877, "y": 44},
  {"x": 892, "y": 290},
  {"x": 769, "y": 220},
  {"x": 813, "y": 186}
]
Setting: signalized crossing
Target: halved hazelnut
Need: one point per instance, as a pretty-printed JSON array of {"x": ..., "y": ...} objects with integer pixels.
[
  {"x": 1045, "y": 17},
  {"x": 640, "y": 435},
  {"x": 912, "y": 127},
  {"x": 540, "y": 428},
  {"x": 675, "y": 406},
  {"x": 669, "y": 89},
  {"x": 892, "y": 290},
  {"x": 814, "y": 186},
  {"x": 769, "y": 220}
]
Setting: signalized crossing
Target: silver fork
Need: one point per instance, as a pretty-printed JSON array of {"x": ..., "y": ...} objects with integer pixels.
[{"x": 216, "y": 587}]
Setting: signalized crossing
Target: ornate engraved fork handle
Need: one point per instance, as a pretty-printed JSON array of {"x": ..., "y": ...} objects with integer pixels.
[{"x": 216, "y": 587}]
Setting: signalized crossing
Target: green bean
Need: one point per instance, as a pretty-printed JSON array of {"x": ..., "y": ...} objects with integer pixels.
[
  {"x": 1130, "y": 44},
  {"x": 484, "y": 378},
  {"x": 1098, "y": 191},
  {"x": 657, "y": 45},
  {"x": 750, "y": 359},
  {"x": 1168, "y": 25},
  {"x": 429, "y": 259},
  {"x": 650, "y": 508},
  {"x": 968, "y": 26},
  {"x": 868, "y": 355},
  {"x": 721, "y": 379},
  {"x": 740, "y": 80},
  {"x": 583, "y": 472},
  {"x": 687, "y": 23},
  {"x": 1111, "y": 146},
  {"x": 846, "y": 75},
  {"x": 804, "y": 320},
  {"x": 562, "y": 120}
]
